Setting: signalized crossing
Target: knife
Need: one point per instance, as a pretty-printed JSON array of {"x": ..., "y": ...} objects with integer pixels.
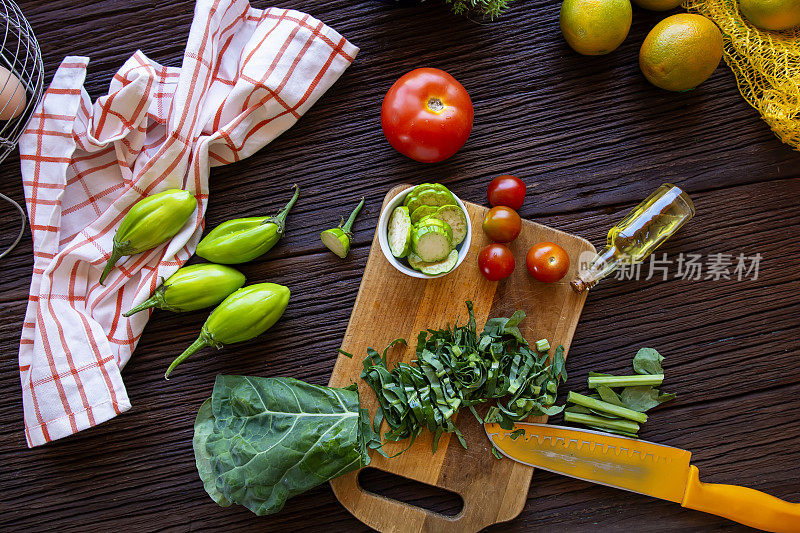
[{"x": 639, "y": 466}]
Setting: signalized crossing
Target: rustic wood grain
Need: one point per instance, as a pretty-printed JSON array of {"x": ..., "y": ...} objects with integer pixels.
[
  {"x": 588, "y": 135},
  {"x": 391, "y": 305}
]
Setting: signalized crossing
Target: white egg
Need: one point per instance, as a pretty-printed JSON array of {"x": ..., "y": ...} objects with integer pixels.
[{"x": 12, "y": 95}]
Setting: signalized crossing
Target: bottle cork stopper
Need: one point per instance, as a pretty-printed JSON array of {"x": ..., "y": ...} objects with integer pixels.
[{"x": 578, "y": 285}]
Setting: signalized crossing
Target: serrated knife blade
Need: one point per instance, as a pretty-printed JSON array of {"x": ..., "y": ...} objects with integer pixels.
[
  {"x": 621, "y": 462},
  {"x": 640, "y": 466}
]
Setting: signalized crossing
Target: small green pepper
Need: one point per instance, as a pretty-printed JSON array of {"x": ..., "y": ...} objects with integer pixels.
[
  {"x": 150, "y": 222},
  {"x": 193, "y": 287},
  {"x": 245, "y": 314},
  {"x": 243, "y": 239},
  {"x": 338, "y": 239}
]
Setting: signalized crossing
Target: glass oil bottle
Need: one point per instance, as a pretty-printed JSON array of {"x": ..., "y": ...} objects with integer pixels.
[{"x": 636, "y": 236}]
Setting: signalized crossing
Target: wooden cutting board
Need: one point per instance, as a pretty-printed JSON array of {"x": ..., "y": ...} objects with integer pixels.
[{"x": 391, "y": 305}]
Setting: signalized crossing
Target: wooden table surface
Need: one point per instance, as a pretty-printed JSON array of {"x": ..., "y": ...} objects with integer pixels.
[{"x": 588, "y": 135}]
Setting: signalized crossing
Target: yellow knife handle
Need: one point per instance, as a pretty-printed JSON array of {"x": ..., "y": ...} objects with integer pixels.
[{"x": 740, "y": 504}]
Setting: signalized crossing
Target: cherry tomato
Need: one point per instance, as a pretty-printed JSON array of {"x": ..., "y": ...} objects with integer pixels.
[
  {"x": 506, "y": 190},
  {"x": 547, "y": 262},
  {"x": 496, "y": 262},
  {"x": 502, "y": 224},
  {"x": 427, "y": 115}
]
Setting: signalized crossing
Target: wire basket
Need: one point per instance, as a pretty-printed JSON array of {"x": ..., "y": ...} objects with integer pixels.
[{"x": 21, "y": 55}]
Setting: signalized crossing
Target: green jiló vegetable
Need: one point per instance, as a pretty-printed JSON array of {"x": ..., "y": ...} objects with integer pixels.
[
  {"x": 337, "y": 240},
  {"x": 244, "y": 239},
  {"x": 606, "y": 410},
  {"x": 244, "y": 315},
  {"x": 150, "y": 222},
  {"x": 260, "y": 441},
  {"x": 456, "y": 367},
  {"x": 193, "y": 287}
]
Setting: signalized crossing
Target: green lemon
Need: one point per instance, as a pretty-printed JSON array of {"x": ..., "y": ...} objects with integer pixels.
[
  {"x": 595, "y": 27},
  {"x": 771, "y": 14},
  {"x": 681, "y": 52}
]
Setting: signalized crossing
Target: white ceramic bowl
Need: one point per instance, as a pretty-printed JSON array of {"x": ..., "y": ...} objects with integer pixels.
[{"x": 400, "y": 264}]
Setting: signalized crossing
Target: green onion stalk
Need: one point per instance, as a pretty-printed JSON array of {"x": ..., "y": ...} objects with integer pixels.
[
  {"x": 606, "y": 407},
  {"x": 626, "y": 381},
  {"x": 627, "y": 427}
]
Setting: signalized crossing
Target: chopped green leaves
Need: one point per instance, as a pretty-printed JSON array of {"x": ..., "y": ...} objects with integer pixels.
[
  {"x": 456, "y": 367},
  {"x": 517, "y": 433},
  {"x": 618, "y": 411},
  {"x": 542, "y": 345}
]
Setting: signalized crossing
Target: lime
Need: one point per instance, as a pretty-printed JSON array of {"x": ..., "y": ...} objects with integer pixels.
[
  {"x": 681, "y": 52},
  {"x": 771, "y": 14},
  {"x": 595, "y": 27}
]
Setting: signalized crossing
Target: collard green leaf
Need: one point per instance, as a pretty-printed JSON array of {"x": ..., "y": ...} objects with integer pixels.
[
  {"x": 643, "y": 398},
  {"x": 665, "y": 397},
  {"x": 608, "y": 395},
  {"x": 551, "y": 410},
  {"x": 274, "y": 438},
  {"x": 577, "y": 409},
  {"x": 648, "y": 361},
  {"x": 203, "y": 428},
  {"x": 559, "y": 367}
]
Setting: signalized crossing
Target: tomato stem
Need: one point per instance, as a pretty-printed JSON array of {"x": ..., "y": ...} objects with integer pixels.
[{"x": 435, "y": 104}]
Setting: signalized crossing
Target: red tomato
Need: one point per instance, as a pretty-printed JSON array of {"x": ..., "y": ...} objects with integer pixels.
[
  {"x": 506, "y": 190},
  {"x": 496, "y": 262},
  {"x": 502, "y": 224},
  {"x": 427, "y": 115},
  {"x": 547, "y": 262}
]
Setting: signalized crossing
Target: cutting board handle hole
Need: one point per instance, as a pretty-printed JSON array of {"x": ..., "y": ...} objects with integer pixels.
[{"x": 408, "y": 491}]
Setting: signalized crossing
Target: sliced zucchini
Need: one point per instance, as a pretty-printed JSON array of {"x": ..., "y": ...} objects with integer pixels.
[
  {"x": 400, "y": 231},
  {"x": 416, "y": 190},
  {"x": 440, "y": 187},
  {"x": 422, "y": 211},
  {"x": 456, "y": 218},
  {"x": 415, "y": 201},
  {"x": 436, "y": 186},
  {"x": 432, "y": 239},
  {"x": 440, "y": 267},
  {"x": 410, "y": 196},
  {"x": 434, "y": 197},
  {"x": 421, "y": 186},
  {"x": 415, "y": 262},
  {"x": 433, "y": 219}
]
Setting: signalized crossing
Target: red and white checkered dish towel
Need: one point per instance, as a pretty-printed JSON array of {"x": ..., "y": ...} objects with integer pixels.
[{"x": 247, "y": 76}]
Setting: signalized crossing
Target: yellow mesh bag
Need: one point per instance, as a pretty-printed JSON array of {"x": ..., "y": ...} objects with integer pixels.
[{"x": 766, "y": 65}]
